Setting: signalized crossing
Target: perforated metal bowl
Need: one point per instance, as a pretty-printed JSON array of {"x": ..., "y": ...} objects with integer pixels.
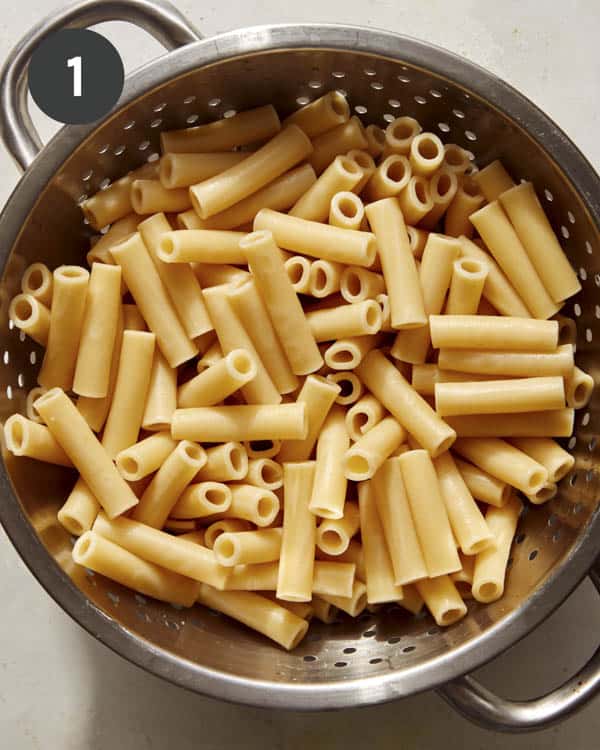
[{"x": 378, "y": 657}]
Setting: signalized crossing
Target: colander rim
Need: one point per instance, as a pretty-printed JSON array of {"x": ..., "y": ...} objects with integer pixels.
[{"x": 265, "y": 693}]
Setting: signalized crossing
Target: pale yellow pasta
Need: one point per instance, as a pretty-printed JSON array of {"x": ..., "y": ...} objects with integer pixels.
[
  {"x": 352, "y": 605},
  {"x": 211, "y": 356},
  {"x": 381, "y": 585},
  {"x": 375, "y": 139},
  {"x": 504, "y": 461},
  {"x": 358, "y": 284},
  {"x": 456, "y": 158},
  {"x": 254, "y": 504},
  {"x": 85, "y": 452},
  {"x": 333, "y": 578},
  {"x": 318, "y": 240},
  {"x": 468, "y": 524},
  {"x": 298, "y": 269},
  {"x": 353, "y": 554},
  {"x": 30, "y": 316},
  {"x": 346, "y": 210},
  {"x": 515, "y": 364},
  {"x": 329, "y": 487},
  {"x": 346, "y": 354},
  {"x": 388, "y": 385},
  {"x": 145, "y": 285},
  {"x": 131, "y": 388},
  {"x": 179, "y": 170},
  {"x": 185, "y": 529},
  {"x": 179, "y": 280},
  {"x": 161, "y": 399},
  {"x": 30, "y": 409},
  {"x": 466, "y": 287},
  {"x": 211, "y": 274},
  {"x": 466, "y": 201},
  {"x": 578, "y": 386},
  {"x": 257, "y": 612},
  {"x": 543, "y": 495},
  {"x": 324, "y": 278},
  {"x": 217, "y": 424},
  {"x": 246, "y": 127},
  {"x": 145, "y": 457},
  {"x": 25, "y": 437},
  {"x": 493, "y": 332},
  {"x": 98, "y": 332},
  {"x": 399, "y": 134},
  {"x": 397, "y": 523},
  {"x": 390, "y": 177},
  {"x": 334, "y": 534},
  {"x": 173, "y": 553},
  {"x": 250, "y": 307},
  {"x": 442, "y": 188},
  {"x": 417, "y": 239},
  {"x": 38, "y": 282},
  {"x": 463, "y": 579},
  {"x": 224, "y": 463},
  {"x": 279, "y": 195},
  {"x": 259, "y": 577},
  {"x": 493, "y": 180},
  {"x": 160, "y": 497},
  {"x": 281, "y": 302},
  {"x": 364, "y": 457},
  {"x": 265, "y": 473},
  {"x": 109, "y": 559},
  {"x": 425, "y": 377},
  {"x": 95, "y": 410},
  {"x": 442, "y": 599},
  {"x": 351, "y": 387},
  {"x": 218, "y": 381},
  {"x": 323, "y": 114},
  {"x": 415, "y": 200},
  {"x": 398, "y": 264},
  {"x": 342, "y": 174},
  {"x": 79, "y": 510},
  {"x": 359, "y": 319},
  {"x": 483, "y": 486},
  {"x": 114, "y": 202},
  {"x": 500, "y": 396},
  {"x": 549, "y": 453},
  {"x": 296, "y": 562},
  {"x": 429, "y": 513},
  {"x": 150, "y": 197},
  {"x": 216, "y": 194},
  {"x": 232, "y": 336},
  {"x": 324, "y": 611},
  {"x": 317, "y": 395},
  {"x": 132, "y": 319},
  {"x": 500, "y": 237},
  {"x": 66, "y": 321},
  {"x": 497, "y": 289},
  {"x": 120, "y": 230},
  {"x": 556, "y": 423},
  {"x": 202, "y": 500},
  {"x": 339, "y": 140},
  {"x": 567, "y": 330},
  {"x": 226, "y": 525},
  {"x": 201, "y": 246},
  {"x": 490, "y": 565},
  {"x": 363, "y": 416},
  {"x": 367, "y": 165},
  {"x": 434, "y": 276}
]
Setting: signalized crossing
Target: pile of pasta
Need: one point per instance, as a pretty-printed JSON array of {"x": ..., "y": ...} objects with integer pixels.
[{"x": 314, "y": 367}]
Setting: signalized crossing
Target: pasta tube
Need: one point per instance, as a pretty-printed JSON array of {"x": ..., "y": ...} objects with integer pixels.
[
  {"x": 493, "y": 180},
  {"x": 296, "y": 562},
  {"x": 415, "y": 200},
  {"x": 578, "y": 386},
  {"x": 324, "y": 278},
  {"x": 456, "y": 159},
  {"x": 429, "y": 513},
  {"x": 351, "y": 387},
  {"x": 334, "y": 535},
  {"x": 347, "y": 354},
  {"x": 483, "y": 486},
  {"x": 224, "y": 463},
  {"x": 399, "y": 270},
  {"x": 329, "y": 487},
  {"x": 442, "y": 600},
  {"x": 178, "y": 170},
  {"x": 231, "y": 525},
  {"x": 201, "y": 500},
  {"x": 346, "y": 210},
  {"x": 341, "y": 174},
  {"x": 426, "y": 154},
  {"x": 144, "y": 458},
  {"x": 30, "y": 316},
  {"x": 381, "y": 586},
  {"x": 399, "y": 134},
  {"x": 323, "y": 114},
  {"x": 85, "y": 452},
  {"x": 555, "y": 459},
  {"x": 218, "y": 381},
  {"x": 466, "y": 287},
  {"x": 352, "y": 605},
  {"x": 24, "y": 437},
  {"x": 466, "y": 201},
  {"x": 359, "y": 319},
  {"x": 79, "y": 510},
  {"x": 375, "y": 139},
  {"x": 298, "y": 270},
  {"x": 161, "y": 400},
  {"x": 248, "y": 547},
  {"x": 388, "y": 385},
  {"x": 150, "y": 197},
  {"x": 363, "y": 416},
  {"x": 442, "y": 189},
  {"x": 358, "y": 284},
  {"x": 30, "y": 409},
  {"x": 66, "y": 322},
  {"x": 389, "y": 179},
  {"x": 265, "y": 473},
  {"x": 557, "y": 423},
  {"x": 504, "y": 461},
  {"x": 515, "y": 364},
  {"x": 339, "y": 140},
  {"x": 490, "y": 564},
  {"x": 201, "y": 246},
  {"x": 397, "y": 523},
  {"x": 426, "y": 377},
  {"x": 364, "y": 458},
  {"x": 119, "y": 231},
  {"x": 493, "y": 332},
  {"x": 38, "y": 282}
]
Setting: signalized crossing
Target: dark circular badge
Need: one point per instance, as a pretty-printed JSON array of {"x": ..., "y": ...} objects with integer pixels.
[{"x": 76, "y": 76}]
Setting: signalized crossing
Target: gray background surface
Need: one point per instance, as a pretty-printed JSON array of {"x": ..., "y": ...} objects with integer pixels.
[{"x": 61, "y": 690}]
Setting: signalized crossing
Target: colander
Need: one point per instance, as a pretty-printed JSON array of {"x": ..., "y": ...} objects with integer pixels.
[{"x": 380, "y": 656}]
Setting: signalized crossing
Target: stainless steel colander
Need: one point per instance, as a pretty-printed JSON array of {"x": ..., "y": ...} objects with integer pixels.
[{"x": 378, "y": 657}]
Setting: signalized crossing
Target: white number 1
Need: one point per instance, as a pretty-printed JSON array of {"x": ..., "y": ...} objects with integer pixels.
[{"x": 75, "y": 63}]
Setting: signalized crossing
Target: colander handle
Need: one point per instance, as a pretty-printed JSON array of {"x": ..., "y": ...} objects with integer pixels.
[
  {"x": 482, "y": 706},
  {"x": 158, "y": 17}
]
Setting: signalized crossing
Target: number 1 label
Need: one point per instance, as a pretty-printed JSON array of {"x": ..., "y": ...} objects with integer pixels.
[{"x": 75, "y": 63}]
